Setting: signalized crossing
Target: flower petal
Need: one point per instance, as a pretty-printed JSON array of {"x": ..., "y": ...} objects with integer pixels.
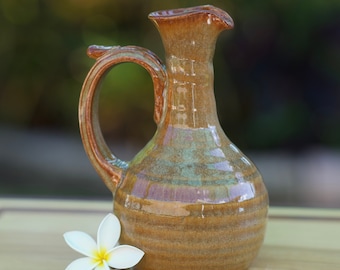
[
  {"x": 82, "y": 264},
  {"x": 108, "y": 232},
  {"x": 102, "y": 266},
  {"x": 81, "y": 242},
  {"x": 124, "y": 256}
]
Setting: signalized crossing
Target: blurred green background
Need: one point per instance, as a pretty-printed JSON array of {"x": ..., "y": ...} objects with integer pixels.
[{"x": 277, "y": 86}]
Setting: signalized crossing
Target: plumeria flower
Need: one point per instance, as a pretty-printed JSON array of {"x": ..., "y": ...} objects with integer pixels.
[{"x": 103, "y": 254}]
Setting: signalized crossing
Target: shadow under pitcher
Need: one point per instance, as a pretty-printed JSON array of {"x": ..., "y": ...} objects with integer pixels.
[{"x": 190, "y": 199}]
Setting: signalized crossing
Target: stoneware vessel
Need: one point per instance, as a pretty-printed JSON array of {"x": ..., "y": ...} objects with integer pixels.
[{"x": 189, "y": 199}]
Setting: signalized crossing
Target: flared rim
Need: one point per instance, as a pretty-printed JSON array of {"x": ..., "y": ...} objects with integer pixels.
[
  {"x": 172, "y": 14},
  {"x": 180, "y": 11}
]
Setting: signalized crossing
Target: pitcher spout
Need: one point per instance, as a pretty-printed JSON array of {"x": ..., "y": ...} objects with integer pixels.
[{"x": 213, "y": 15}]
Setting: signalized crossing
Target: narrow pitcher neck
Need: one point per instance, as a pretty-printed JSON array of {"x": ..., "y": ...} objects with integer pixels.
[
  {"x": 190, "y": 96},
  {"x": 189, "y": 37}
]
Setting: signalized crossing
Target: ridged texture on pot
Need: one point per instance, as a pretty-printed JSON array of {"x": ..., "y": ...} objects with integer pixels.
[{"x": 190, "y": 199}]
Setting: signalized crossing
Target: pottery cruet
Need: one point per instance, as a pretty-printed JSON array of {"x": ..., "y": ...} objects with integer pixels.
[{"x": 190, "y": 199}]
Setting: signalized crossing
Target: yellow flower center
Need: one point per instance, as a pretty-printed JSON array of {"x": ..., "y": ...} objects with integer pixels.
[{"x": 101, "y": 256}]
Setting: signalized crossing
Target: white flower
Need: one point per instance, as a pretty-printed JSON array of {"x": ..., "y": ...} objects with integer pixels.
[{"x": 103, "y": 254}]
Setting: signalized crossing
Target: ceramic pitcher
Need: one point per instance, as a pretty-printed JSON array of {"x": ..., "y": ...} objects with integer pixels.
[{"x": 190, "y": 199}]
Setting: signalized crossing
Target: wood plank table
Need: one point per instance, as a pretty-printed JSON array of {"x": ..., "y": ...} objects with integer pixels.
[{"x": 31, "y": 234}]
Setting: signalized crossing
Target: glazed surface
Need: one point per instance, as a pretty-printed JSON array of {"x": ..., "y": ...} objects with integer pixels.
[{"x": 190, "y": 199}]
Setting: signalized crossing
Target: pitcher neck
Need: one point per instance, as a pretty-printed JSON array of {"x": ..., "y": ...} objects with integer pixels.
[
  {"x": 189, "y": 37},
  {"x": 190, "y": 94}
]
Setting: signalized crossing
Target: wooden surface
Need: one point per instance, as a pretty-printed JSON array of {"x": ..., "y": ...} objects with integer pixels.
[{"x": 31, "y": 235}]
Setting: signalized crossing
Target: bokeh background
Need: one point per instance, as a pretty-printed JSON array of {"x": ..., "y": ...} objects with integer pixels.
[{"x": 277, "y": 85}]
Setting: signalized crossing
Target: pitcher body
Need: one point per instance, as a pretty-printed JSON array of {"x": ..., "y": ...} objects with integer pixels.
[{"x": 190, "y": 199}]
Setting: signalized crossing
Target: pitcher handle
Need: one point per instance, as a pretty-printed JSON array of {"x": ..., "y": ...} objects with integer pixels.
[{"x": 107, "y": 165}]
